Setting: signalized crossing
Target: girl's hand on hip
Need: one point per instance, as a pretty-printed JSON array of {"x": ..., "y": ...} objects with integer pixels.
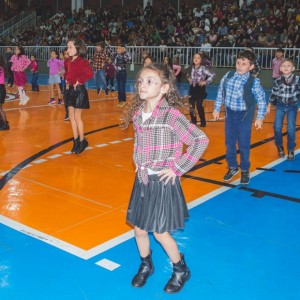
[{"x": 167, "y": 175}]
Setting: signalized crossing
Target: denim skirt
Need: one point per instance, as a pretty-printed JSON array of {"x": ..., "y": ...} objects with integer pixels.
[{"x": 156, "y": 207}]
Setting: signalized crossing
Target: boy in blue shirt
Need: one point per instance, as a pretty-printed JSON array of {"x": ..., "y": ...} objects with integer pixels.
[{"x": 239, "y": 92}]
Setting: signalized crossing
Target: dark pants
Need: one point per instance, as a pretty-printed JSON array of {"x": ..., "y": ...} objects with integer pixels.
[
  {"x": 10, "y": 78},
  {"x": 121, "y": 81},
  {"x": 237, "y": 131},
  {"x": 110, "y": 82},
  {"x": 34, "y": 85},
  {"x": 197, "y": 95},
  {"x": 291, "y": 113}
]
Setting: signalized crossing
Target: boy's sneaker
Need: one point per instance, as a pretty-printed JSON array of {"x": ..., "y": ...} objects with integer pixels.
[
  {"x": 67, "y": 118},
  {"x": 231, "y": 172},
  {"x": 59, "y": 102},
  {"x": 106, "y": 92},
  {"x": 245, "y": 177},
  {"x": 280, "y": 151},
  {"x": 291, "y": 155},
  {"x": 51, "y": 101}
]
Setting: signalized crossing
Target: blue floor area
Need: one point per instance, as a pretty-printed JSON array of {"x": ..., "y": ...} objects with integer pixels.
[{"x": 239, "y": 245}]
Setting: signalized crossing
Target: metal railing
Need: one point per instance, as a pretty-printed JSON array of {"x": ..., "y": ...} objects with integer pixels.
[
  {"x": 22, "y": 20},
  {"x": 220, "y": 57}
]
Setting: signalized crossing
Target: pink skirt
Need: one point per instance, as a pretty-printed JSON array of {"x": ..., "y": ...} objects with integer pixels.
[{"x": 20, "y": 78}]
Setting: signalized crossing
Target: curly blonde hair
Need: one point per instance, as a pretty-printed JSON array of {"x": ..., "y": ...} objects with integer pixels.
[{"x": 167, "y": 76}]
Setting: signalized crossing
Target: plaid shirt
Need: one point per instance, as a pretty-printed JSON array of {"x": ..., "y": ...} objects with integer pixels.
[
  {"x": 159, "y": 141},
  {"x": 201, "y": 74},
  {"x": 99, "y": 60},
  {"x": 235, "y": 94},
  {"x": 286, "y": 91}
]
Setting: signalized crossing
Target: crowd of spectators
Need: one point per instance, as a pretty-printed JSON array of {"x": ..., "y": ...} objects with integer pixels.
[
  {"x": 214, "y": 23},
  {"x": 270, "y": 23}
]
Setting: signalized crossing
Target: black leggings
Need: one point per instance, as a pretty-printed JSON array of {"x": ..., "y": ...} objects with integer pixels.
[{"x": 197, "y": 95}]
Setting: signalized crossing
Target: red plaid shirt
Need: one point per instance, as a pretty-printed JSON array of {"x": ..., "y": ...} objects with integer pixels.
[
  {"x": 159, "y": 141},
  {"x": 99, "y": 60}
]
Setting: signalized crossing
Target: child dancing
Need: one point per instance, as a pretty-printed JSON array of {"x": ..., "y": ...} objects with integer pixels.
[{"x": 157, "y": 203}]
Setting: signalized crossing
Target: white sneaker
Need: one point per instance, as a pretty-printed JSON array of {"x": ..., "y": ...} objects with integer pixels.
[
  {"x": 21, "y": 99},
  {"x": 25, "y": 100}
]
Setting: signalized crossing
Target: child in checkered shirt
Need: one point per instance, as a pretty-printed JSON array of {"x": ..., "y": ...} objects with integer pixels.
[
  {"x": 157, "y": 203},
  {"x": 286, "y": 97}
]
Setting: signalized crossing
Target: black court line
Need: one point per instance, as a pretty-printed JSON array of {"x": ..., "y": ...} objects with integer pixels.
[
  {"x": 260, "y": 194},
  {"x": 266, "y": 169},
  {"x": 209, "y": 181},
  {"x": 291, "y": 171},
  {"x": 4, "y": 180}
]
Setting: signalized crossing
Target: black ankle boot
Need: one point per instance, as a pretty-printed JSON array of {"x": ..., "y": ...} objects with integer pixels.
[
  {"x": 75, "y": 144},
  {"x": 82, "y": 145},
  {"x": 181, "y": 274},
  {"x": 146, "y": 269}
]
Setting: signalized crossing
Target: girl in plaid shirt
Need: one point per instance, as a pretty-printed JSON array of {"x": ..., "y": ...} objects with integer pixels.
[
  {"x": 199, "y": 77},
  {"x": 157, "y": 202}
]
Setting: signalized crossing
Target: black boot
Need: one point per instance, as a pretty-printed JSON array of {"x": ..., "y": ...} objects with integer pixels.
[
  {"x": 82, "y": 145},
  {"x": 181, "y": 274},
  {"x": 75, "y": 144},
  {"x": 5, "y": 126},
  {"x": 146, "y": 269}
]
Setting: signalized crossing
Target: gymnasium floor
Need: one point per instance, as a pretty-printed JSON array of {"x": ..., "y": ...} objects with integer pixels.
[{"x": 62, "y": 216}]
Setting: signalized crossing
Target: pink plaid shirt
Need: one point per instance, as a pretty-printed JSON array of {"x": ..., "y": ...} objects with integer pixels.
[
  {"x": 159, "y": 141},
  {"x": 20, "y": 64}
]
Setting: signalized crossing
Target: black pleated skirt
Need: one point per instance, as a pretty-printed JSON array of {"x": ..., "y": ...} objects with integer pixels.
[
  {"x": 157, "y": 207},
  {"x": 78, "y": 98}
]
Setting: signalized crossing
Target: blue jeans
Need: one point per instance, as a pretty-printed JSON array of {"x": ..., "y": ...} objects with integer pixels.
[
  {"x": 237, "y": 131},
  {"x": 100, "y": 79},
  {"x": 291, "y": 112},
  {"x": 34, "y": 79},
  {"x": 121, "y": 81}
]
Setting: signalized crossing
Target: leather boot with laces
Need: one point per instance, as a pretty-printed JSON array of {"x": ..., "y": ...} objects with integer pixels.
[
  {"x": 145, "y": 270},
  {"x": 181, "y": 274}
]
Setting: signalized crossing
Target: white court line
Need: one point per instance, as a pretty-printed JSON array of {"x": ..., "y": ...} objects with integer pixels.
[{"x": 87, "y": 254}]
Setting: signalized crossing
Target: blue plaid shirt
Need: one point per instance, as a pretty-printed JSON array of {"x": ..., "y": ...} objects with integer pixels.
[{"x": 234, "y": 99}]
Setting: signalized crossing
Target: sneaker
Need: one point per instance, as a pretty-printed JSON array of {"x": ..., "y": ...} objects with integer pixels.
[
  {"x": 245, "y": 177},
  {"x": 122, "y": 104},
  {"x": 99, "y": 91},
  {"x": 51, "y": 101},
  {"x": 106, "y": 92},
  {"x": 231, "y": 172},
  {"x": 112, "y": 89},
  {"x": 290, "y": 155},
  {"x": 66, "y": 118},
  {"x": 59, "y": 102},
  {"x": 280, "y": 151},
  {"x": 119, "y": 104},
  {"x": 24, "y": 99}
]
